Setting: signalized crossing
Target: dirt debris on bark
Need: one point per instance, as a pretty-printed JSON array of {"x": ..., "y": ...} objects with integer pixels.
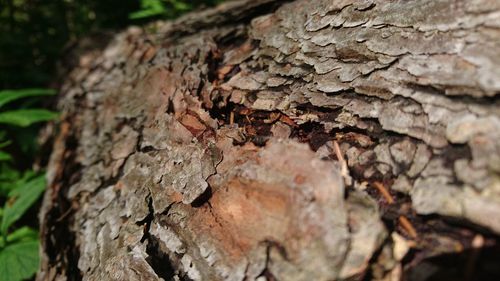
[{"x": 273, "y": 140}]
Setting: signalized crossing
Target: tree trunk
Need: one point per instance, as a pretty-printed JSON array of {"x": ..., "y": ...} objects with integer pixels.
[{"x": 268, "y": 140}]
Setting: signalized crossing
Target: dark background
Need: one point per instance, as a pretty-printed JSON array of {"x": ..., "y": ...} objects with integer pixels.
[{"x": 34, "y": 33}]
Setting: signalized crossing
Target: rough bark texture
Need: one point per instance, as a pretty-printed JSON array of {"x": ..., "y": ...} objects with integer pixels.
[{"x": 262, "y": 140}]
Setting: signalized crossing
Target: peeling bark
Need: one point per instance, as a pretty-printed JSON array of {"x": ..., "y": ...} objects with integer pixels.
[{"x": 264, "y": 140}]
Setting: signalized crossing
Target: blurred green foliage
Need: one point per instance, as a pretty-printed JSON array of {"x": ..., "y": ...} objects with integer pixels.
[
  {"x": 34, "y": 34},
  {"x": 168, "y": 8},
  {"x": 20, "y": 187}
]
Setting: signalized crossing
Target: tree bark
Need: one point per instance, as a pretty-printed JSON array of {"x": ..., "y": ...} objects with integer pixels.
[{"x": 271, "y": 140}]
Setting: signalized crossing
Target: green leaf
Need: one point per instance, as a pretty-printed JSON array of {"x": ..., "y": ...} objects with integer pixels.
[
  {"x": 7, "y": 96},
  {"x": 22, "y": 234},
  {"x": 145, "y": 14},
  {"x": 4, "y": 156},
  {"x": 8, "y": 173},
  {"x": 26, "y": 117},
  {"x": 23, "y": 197},
  {"x": 152, "y": 4},
  {"x": 3, "y": 134},
  {"x": 150, "y": 8},
  {"x": 5, "y": 143},
  {"x": 19, "y": 261},
  {"x": 8, "y": 179},
  {"x": 181, "y": 5}
]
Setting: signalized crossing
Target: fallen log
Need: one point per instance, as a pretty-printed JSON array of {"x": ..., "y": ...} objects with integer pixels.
[{"x": 273, "y": 140}]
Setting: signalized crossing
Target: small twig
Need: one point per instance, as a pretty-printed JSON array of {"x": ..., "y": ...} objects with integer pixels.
[
  {"x": 338, "y": 153},
  {"x": 406, "y": 224},
  {"x": 385, "y": 193},
  {"x": 273, "y": 117},
  {"x": 231, "y": 118},
  {"x": 64, "y": 215},
  {"x": 344, "y": 171},
  {"x": 470, "y": 268}
]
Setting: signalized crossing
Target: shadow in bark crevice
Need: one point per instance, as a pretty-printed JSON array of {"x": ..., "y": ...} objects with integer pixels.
[
  {"x": 469, "y": 265},
  {"x": 159, "y": 261},
  {"x": 63, "y": 253}
]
